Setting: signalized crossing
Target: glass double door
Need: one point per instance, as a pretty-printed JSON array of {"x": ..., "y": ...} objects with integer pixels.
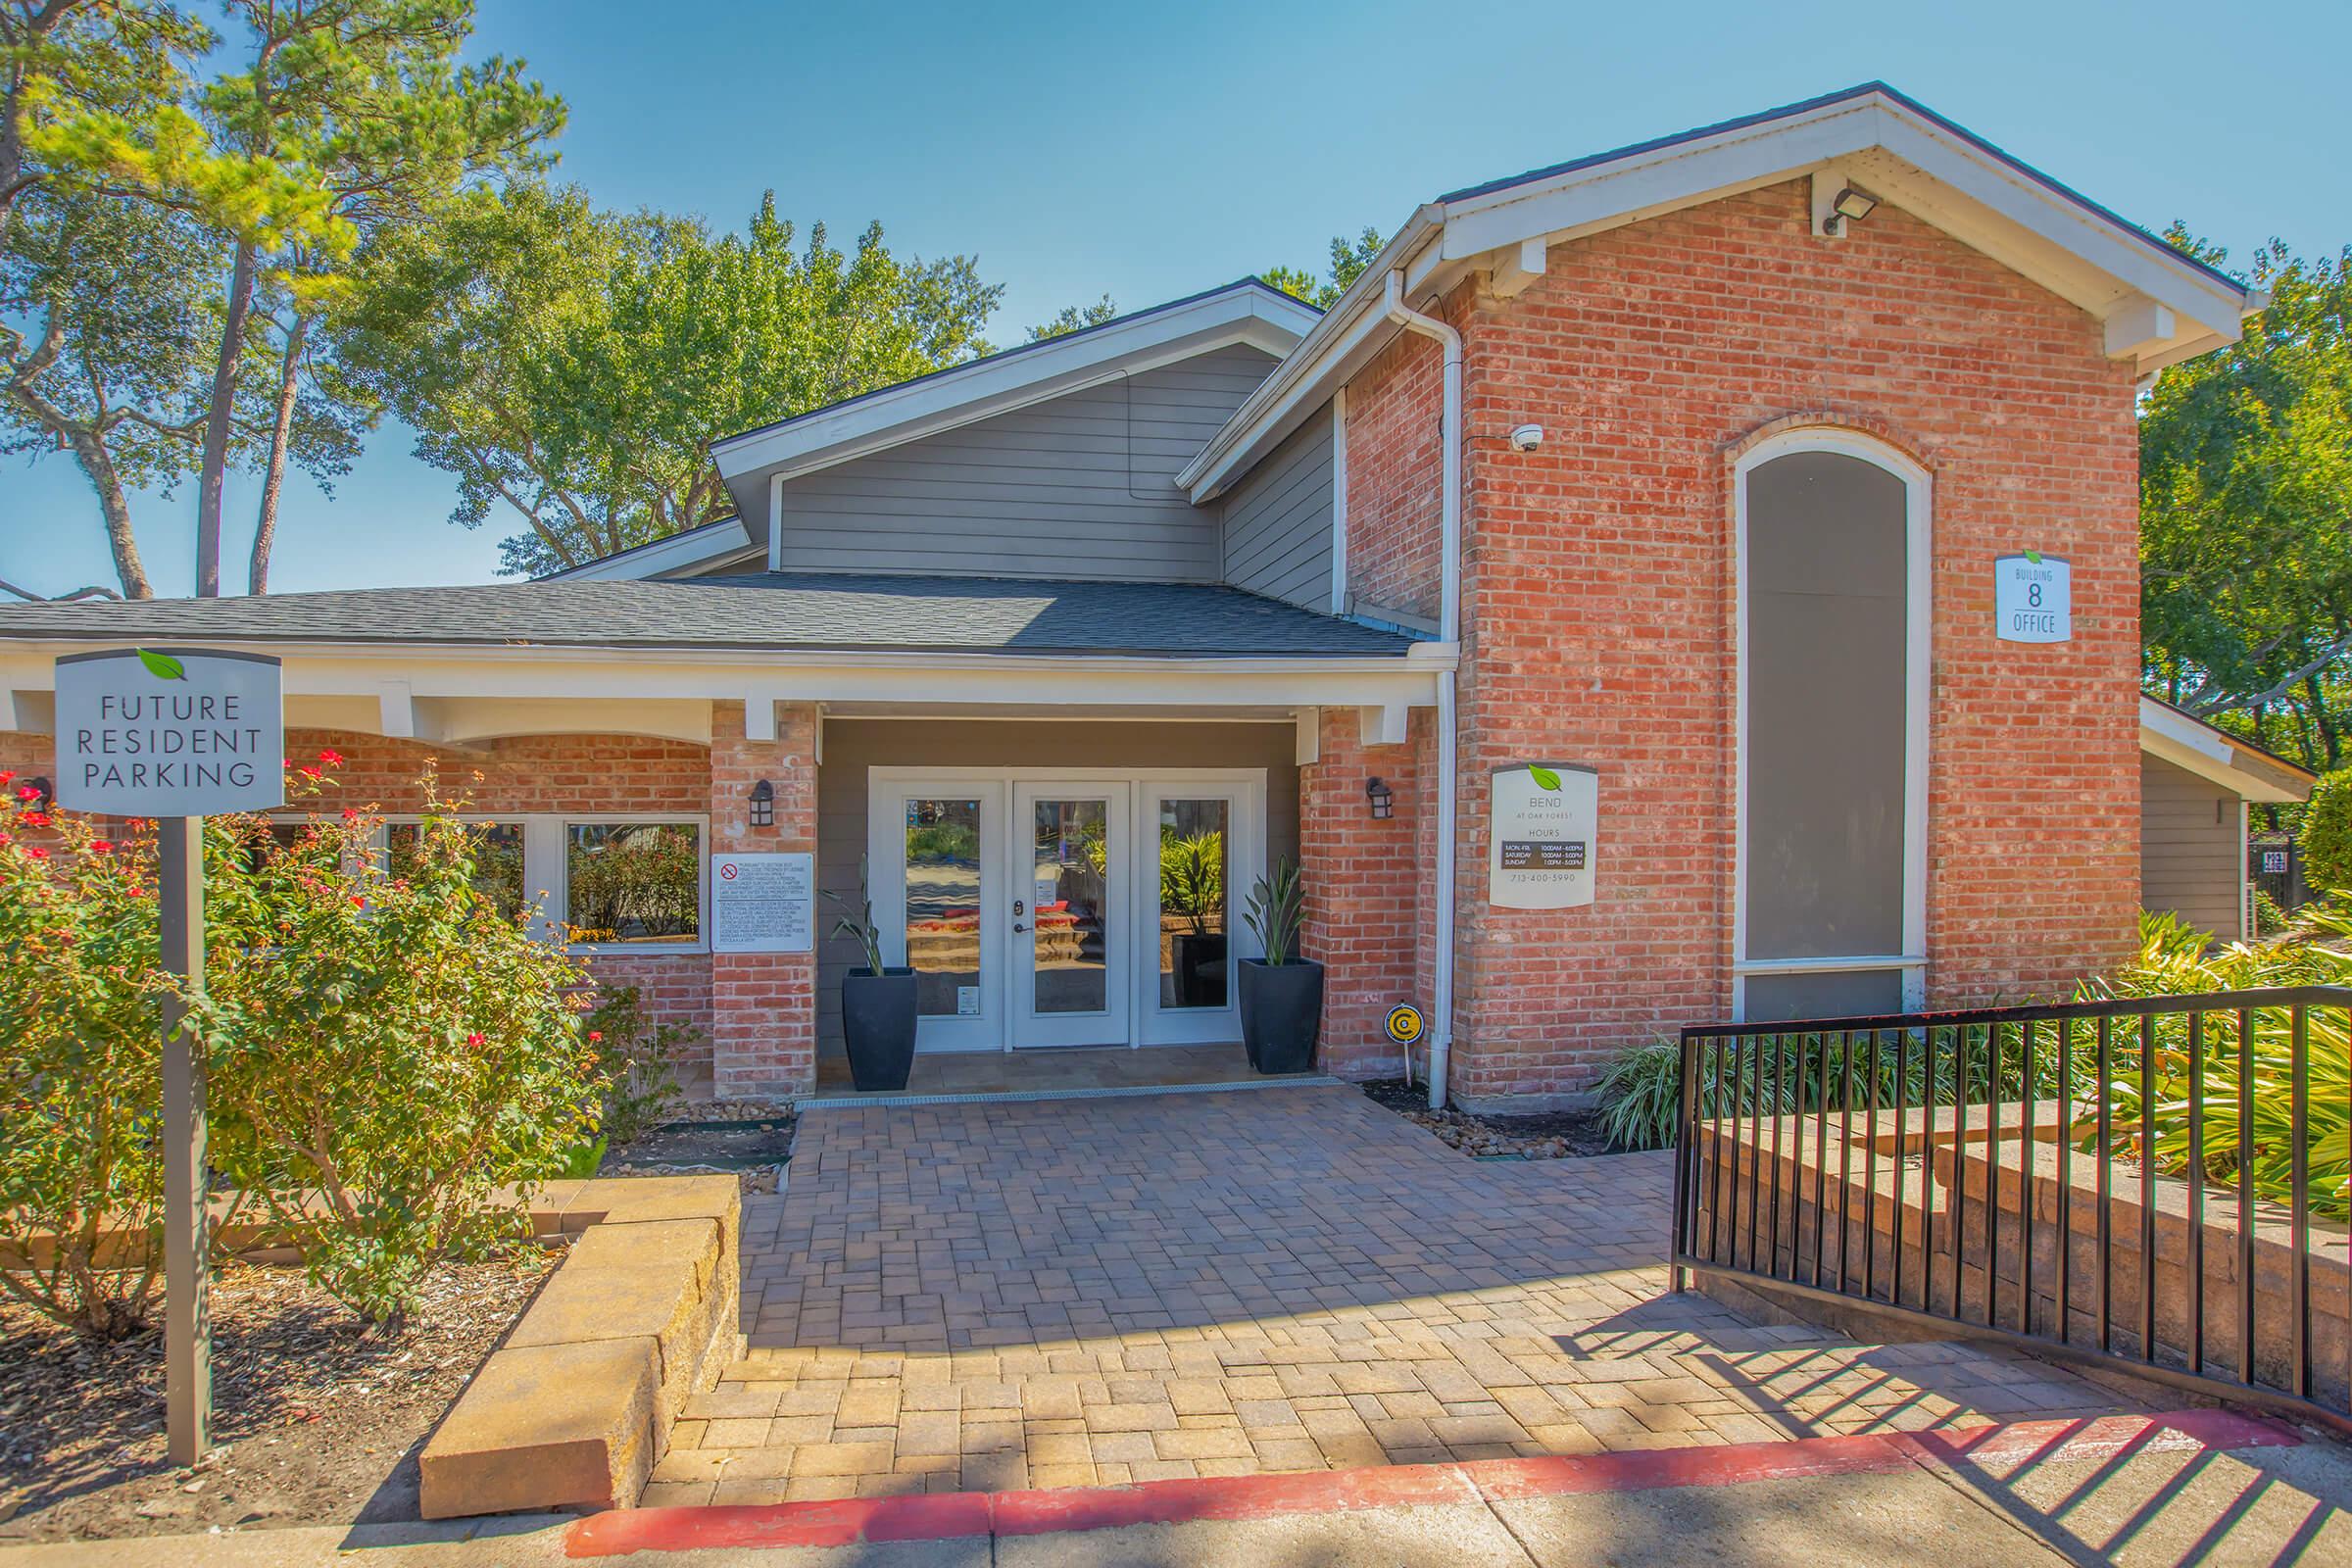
[{"x": 1061, "y": 911}]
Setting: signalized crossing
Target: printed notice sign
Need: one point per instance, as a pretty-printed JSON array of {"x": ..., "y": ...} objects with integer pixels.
[
  {"x": 2033, "y": 599},
  {"x": 1543, "y": 836},
  {"x": 763, "y": 903},
  {"x": 168, "y": 732}
]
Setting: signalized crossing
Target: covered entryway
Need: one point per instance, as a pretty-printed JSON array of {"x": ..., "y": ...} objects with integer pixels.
[{"x": 1059, "y": 907}]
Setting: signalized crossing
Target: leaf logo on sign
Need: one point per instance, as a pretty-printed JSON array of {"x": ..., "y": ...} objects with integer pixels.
[
  {"x": 1544, "y": 777},
  {"x": 163, "y": 667}
]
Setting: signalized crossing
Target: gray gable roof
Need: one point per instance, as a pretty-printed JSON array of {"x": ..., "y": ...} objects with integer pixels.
[{"x": 768, "y": 610}]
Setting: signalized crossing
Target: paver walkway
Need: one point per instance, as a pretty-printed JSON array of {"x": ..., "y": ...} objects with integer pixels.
[{"x": 1076, "y": 1293}]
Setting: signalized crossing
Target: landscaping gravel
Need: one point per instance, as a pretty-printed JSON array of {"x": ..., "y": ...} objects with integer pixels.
[{"x": 1554, "y": 1135}]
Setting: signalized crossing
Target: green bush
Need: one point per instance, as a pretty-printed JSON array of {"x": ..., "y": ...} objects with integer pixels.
[
  {"x": 1640, "y": 1095},
  {"x": 80, "y": 1064},
  {"x": 387, "y": 1052},
  {"x": 2175, "y": 959},
  {"x": 2326, "y": 837}
]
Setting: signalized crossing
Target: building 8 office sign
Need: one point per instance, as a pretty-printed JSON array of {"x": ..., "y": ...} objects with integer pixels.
[{"x": 162, "y": 733}]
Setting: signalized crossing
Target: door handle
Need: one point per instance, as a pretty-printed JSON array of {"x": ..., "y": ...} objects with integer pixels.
[{"x": 1018, "y": 927}]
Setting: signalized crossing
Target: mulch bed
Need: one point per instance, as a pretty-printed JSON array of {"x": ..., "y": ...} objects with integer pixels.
[
  {"x": 1554, "y": 1135},
  {"x": 320, "y": 1421}
]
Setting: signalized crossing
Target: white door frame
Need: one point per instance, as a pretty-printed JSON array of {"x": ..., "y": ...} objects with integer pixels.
[
  {"x": 1004, "y": 1017},
  {"x": 1114, "y": 1023},
  {"x": 1918, "y": 608},
  {"x": 886, "y": 870}
]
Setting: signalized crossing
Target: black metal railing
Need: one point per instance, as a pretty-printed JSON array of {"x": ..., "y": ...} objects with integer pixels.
[{"x": 2158, "y": 1182}]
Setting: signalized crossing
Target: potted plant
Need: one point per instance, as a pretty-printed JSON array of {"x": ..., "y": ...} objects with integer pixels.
[
  {"x": 1191, "y": 887},
  {"x": 1281, "y": 993},
  {"x": 877, "y": 1002}
]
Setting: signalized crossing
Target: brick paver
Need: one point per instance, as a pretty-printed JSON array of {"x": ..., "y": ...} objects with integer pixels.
[{"x": 1091, "y": 1291}]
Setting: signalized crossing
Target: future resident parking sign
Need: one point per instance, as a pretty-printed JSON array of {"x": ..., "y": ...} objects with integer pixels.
[{"x": 170, "y": 732}]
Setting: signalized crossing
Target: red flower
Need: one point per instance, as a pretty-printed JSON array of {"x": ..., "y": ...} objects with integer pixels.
[
  {"x": 37, "y": 852},
  {"x": 358, "y": 902},
  {"x": 350, "y": 813},
  {"x": 136, "y": 892},
  {"x": 35, "y": 819},
  {"x": 8, "y": 838},
  {"x": 477, "y": 1042},
  {"x": 102, "y": 846},
  {"x": 331, "y": 757},
  {"x": 6, "y": 774},
  {"x": 307, "y": 773},
  {"x": 26, "y": 792},
  {"x": 595, "y": 1035}
]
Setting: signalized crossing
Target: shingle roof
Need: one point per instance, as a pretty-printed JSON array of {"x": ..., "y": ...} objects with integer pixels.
[{"x": 755, "y": 612}]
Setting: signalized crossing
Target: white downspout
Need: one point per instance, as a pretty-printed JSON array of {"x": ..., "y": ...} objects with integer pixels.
[{"x": 1450, "y": 620}]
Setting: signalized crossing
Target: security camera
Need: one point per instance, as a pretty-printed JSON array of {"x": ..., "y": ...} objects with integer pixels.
[{"x": 1527, "y": 438}]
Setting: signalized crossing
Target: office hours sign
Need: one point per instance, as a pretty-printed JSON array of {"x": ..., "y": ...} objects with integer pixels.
[
  {"x": 2033, "y": 599},
  {"x": 765, "y": 903},
  {"x": 1543, "y": 835},
  {"x": 170, "y": 732}
]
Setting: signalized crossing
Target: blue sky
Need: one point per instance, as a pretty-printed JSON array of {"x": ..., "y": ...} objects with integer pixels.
[{"x": 1150, "y": 151}]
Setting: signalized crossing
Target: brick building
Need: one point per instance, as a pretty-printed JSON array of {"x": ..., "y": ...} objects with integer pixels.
[{"x": 1608, "y": 603}]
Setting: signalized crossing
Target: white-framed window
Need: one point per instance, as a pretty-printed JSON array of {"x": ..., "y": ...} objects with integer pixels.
[
  {"x": 1833, "y": 561},
  {"x": 630, "y": 881},
  {"x": 634, "y": 882}
]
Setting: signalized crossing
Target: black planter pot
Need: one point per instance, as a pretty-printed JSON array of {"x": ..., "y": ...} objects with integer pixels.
[
  {"x": 1282, "y": 1013},
  {"x": 877, "y": 1018},
  {"x": 1200, "y": 975}
]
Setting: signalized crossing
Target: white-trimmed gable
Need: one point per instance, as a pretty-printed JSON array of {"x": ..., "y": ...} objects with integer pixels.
[{"x": 2158, "y": 307}]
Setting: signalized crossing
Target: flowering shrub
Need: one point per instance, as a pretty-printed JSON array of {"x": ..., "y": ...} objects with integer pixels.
[
  {"x": 80, "y": 1064},
  {"x": 387, "y": 1049}
]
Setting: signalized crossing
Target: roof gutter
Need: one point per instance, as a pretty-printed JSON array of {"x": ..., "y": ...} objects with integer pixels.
[{"x": 1449, "y": 592}]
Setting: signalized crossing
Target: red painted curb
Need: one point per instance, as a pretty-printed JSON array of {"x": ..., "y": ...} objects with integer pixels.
[
  {"x": 2015, "y": 1442},
  {"x": 942, "y": 1516}
]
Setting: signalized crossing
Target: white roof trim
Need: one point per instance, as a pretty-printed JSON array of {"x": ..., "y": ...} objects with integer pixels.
[
  {"x": 1246, "y": 312},
  {"x": 2161, "y": 307},
  {"x": 2198, "y": 747},
  {"x": 708, "y": 545}
]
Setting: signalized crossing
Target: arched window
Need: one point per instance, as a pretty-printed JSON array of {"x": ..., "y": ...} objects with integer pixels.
[{"x": 1834, "y": 558}]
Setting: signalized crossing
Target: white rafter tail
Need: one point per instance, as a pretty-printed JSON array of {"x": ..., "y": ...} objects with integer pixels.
[
  {"x": 1382, "y": 725},
  {"x": 396, "y": 708},
  {"x": 759, "y": 714},
  {"x": 1518, "y": 267},
  {"x": 1828, "y": 180},
  {"x": 1307, "y": 747},
  {"x": 2138, "y": 326}
]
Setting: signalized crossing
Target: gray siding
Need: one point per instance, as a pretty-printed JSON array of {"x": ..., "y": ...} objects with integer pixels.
[
  {"x": 2191, "y": 849},
  {"x": 851, "y": 746},
  {"x": 1278, "y": 520},
  {"x": 1080, "y": 486}
]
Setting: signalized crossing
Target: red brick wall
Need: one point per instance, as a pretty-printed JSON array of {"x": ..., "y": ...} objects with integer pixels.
[
  {"x": 1367, "y": 913},
  {"x": 1599, "y": 603},
  {"x": 765, "y": 1004},
  {"x": 1393, "y": 473}
]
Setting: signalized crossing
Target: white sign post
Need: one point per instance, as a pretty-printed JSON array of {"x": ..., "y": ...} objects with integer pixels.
[
  {"x": 763, "y": 903},
  {"x": 177, "y": 735},
  {"x": 1541, "y": 836},
  {"x": 2033, "y": 599}
]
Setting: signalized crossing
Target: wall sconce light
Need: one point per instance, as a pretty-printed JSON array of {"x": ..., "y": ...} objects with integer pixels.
[
  {"x": 763, "y": 805},
  {"x": 1383, "y": 799},
  {"x": 1851, "y": 206}
]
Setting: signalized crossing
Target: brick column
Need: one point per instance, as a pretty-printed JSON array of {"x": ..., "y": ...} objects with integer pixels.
[
  {"x": 763, "y": 1004},
  {"x": 1366, "y": 908}
]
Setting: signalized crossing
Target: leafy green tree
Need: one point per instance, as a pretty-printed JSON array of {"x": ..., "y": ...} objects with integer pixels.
[
  {"x": 1074, "y": 318},
  {"x": 1349, "y": 259},
  {"x": 2326, "y": 836},
  {"x": 2247, "y": 513},
  {"x": 571, "y": 366},
  {"x": 347, "y": 119}
]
